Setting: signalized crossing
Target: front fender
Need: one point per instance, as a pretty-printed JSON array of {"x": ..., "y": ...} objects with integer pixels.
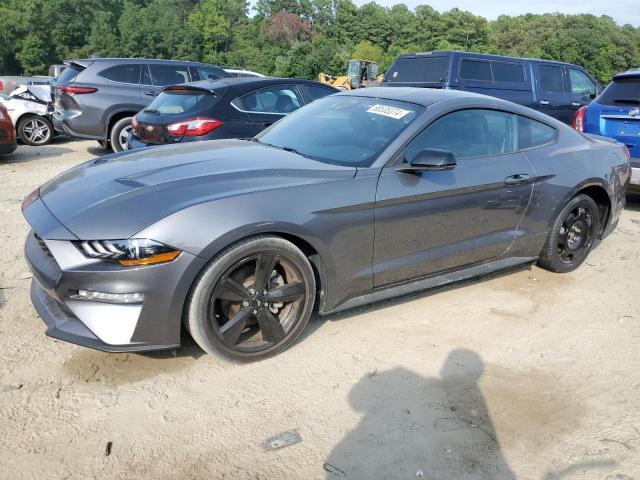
[{"x": 335, "y": 218}]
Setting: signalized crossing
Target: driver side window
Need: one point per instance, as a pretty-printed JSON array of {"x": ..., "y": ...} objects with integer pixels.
[{"x": 469, "y": 133}]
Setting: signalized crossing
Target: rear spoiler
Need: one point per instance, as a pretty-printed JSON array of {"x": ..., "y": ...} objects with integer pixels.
[
  {"x": 600, "y": 138},
  {"x": 79, "y": 64},
  {"x": 196, "y": 88}
]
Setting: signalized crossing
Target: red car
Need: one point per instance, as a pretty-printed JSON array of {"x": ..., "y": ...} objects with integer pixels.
[{"x": 7, "y": 133}]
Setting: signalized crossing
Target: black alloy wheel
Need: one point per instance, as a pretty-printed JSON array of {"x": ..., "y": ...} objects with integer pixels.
[
  {"x": 253, "y": 300},
  {"x": 573, "y": 235}
]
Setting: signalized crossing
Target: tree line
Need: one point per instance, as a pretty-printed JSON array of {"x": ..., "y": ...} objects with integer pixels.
[{"x": 295, "y": 38}]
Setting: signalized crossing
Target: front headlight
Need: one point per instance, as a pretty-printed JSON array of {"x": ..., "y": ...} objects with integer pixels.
[{"x": 130, "y": 252}]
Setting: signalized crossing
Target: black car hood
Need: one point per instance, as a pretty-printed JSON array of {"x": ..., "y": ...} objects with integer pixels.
[{"x": 118, "y": 195}]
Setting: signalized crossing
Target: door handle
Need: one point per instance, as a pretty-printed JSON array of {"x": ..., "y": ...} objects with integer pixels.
[
  {"x": 151, "y": 93},
  {"x": 517, "y": 179},
  {"x": 576, "y": 104},
  {"x": 544, "y": 102}
]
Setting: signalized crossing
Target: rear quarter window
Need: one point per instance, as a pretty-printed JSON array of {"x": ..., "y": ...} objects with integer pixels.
[
  {"x": 122, "y": 74},
  {"x": 532, "y": 133},
  {"x": 315, "y": 92}
]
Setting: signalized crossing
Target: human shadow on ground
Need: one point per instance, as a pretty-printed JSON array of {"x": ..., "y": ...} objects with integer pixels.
[
  {"x": 435, "y": 428},
  {"x": 438, "y": 428}
]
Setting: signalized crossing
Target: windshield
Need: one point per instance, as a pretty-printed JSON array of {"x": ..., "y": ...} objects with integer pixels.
[
  {"x": 174, "y": 102},
  {"x": 419, "y": 69},
  {"x": 342, "y": 130},
  {"x": 624, "y": 91}
]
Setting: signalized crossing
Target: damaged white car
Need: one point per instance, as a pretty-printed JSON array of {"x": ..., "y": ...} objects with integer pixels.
[{"x": 30, "y": 110}]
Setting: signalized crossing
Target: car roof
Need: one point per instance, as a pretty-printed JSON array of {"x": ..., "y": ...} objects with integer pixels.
[
  {"x": 86, "y": 61},
  {"x": 488, "y": 56},
  {"x": 222, "y": 83},
  {"x": 418, "y": 96},
  {"x": 631, "y": 73}
]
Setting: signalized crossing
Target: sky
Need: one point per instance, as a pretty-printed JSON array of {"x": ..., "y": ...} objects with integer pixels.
[{"x": 622, "y": 11}]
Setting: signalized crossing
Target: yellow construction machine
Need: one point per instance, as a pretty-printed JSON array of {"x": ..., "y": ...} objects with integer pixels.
[{"x": 360, "y": 74}]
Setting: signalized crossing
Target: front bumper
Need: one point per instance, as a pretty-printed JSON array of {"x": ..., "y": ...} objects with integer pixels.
[{"x": 60, "y": 269}]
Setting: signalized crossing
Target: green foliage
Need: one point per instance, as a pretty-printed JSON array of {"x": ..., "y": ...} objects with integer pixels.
[{"x": 295, "y": 37}]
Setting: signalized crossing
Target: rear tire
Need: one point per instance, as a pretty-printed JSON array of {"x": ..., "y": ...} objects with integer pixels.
[
  {"x": 118, "y": 134},
  {"x": 35, "y": 130},
  {"x": 252, "y": 300},
  {"x": 572, "y": 235}
]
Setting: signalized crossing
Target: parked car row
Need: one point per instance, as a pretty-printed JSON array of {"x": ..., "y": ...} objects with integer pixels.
[{"x": 225, "y": 108}]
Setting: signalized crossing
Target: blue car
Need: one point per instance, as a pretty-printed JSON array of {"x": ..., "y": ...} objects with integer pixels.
[{"x": 615, "y": 113}]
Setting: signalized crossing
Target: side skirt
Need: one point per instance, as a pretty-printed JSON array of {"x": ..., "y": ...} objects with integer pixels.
[{"x": 396, "y": 290}]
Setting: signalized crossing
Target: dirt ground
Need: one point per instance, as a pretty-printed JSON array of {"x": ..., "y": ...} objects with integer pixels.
[{"x": 527, "y": 375}]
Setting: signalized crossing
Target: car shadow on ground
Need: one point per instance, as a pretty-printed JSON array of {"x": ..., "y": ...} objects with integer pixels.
[
  {"x": 98, "y": 151},
  {"x": 437, "y": 427},
  {"x": 633, "y": 203},
  {"x": 25, "y": 154}
]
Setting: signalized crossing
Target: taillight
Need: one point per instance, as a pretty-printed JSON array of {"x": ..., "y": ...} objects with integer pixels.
[
  {"x": 578, "y": 120},
  {"x": 134, "y": 122},
  {"x": 194, "y": 127},
  {"x": 71, "y": 90},
  {"x": 1, "y": 85},
  {"x": 626, "y": 152}
]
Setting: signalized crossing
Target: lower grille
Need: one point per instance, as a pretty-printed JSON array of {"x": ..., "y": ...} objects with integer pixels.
[{"x": 43, "y": 245}]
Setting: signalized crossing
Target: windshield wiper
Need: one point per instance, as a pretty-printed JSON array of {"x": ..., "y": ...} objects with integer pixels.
[
  {"x": 250, "y": 139},
  {"x": 152, "y": 111},
  {"x": 293, "y": 150},
  {"x": 628, "y": 101},
  {"x": 285, "y": 148}
]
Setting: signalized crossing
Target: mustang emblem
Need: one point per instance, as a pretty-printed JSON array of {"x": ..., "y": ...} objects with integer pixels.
[
  {"x": 149, "y": 128},
  {"x": 634, "y": 112}
]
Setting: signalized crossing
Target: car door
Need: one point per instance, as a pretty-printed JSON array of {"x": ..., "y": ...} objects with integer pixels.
[
  {"x": 554, "y": 98},
  {"x": 433, "y": 221},
  {"x": 267, "y": 105}
]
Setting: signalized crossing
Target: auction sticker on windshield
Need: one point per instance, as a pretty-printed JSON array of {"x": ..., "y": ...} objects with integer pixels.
[{"x": 387, "y": 111}]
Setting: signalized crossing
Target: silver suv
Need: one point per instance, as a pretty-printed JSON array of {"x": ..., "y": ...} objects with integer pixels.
[{"x": 96, "y": 98}]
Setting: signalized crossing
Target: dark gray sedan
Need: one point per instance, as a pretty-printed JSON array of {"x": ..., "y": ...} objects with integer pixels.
[{"x": 354, "y": 198}]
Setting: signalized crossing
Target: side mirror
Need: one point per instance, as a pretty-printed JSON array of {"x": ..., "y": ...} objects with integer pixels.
[{"x": 429, "y": 160}]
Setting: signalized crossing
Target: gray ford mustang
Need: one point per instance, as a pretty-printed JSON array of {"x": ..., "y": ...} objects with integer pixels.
[{"x": 354, "y": 198}]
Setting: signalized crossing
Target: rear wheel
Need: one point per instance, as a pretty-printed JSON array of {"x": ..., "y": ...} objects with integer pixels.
[
  {"x": 35, "y": 130},
  {"x": 119, "y": 133},
  {"x": 572, "y": 236},
  {"x": 252, "y": 300}
]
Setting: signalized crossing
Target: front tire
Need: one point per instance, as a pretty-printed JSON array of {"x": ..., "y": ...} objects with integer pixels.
[
  {"x": 572, "y": 235},
  {"x": 119, "y": 133},
  {"x": 252, "y": 300},
  {"x": 35, "y": 130}
]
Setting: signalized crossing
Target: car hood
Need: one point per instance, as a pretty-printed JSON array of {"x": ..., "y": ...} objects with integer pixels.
[{"x": 117, "y": 195}]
